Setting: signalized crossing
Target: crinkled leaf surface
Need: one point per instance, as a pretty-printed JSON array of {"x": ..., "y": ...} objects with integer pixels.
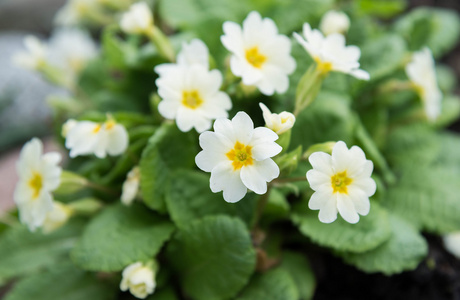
[
  {"x": 62, "y": 282},
  {"x": 119, "y": 236},
  {"x": 189, "y": 198},
  {"x": 213, "y": 256},
  {"x": 371, "y": 230},
  {"x": 403, "y": 251},
  {"x": 299, "y": 268},
  {"x": 167, "y": 150},
  {"x": 275, "y": 284}
]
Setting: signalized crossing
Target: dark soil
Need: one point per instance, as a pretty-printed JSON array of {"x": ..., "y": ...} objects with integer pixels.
[{"x": 436, "y": 278}]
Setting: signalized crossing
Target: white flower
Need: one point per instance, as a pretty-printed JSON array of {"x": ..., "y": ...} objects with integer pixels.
[
  {"x": 139, "y": 279},
  {"x": 279, "y": 123},
  {"x": 131, "y": 186},
  {"x": 39, "y": 175},
  {"x": 342, "y": 182},
  {"x": 421, "y": 72},
  {"x": 452, "y": 243},
  {"x": 67, "y": 126},
  {"x": 34, "y": 57},
  {"x": 138, "y": 19},
  {"x": 70, "y": 50},
  {"x": 100, "y": 139},
  {"x": 57, "y": 217},
  {"x": 238, "y": 157},
  {"x": 261, "y": 56},
  {"x": 191, "y": 96},
  {"x": 334, "y": 22},
  {"x": 330, "y": 53},
  {"x": 193, "y": 53},
  {"x": 75, "y": 12}
]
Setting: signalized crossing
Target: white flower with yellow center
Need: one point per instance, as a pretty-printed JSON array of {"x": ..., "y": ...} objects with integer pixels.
[
  {"x": 100, "y": 139},
  {"x": 330, "y": 53},
  {"x": 39, "y": 175},
  {"x": 131, "y": 186},
  {"x": 452, "y": 243},
  {"x": 70, "y": 50},
  {"x": 139, "y": 279},
  {"x": 421, "y": 72},
  {"x": 57, "y": 217},
  {"x": 334, "y": 22},
  {"x": 342, "y": 183},
  {"x": 194, "y": 53},
  {"x": 191, "y": 96},
  {"x": 34, "y": 56},
  {"x": 279, "y": 123},
  {"x": 238, "y": 157},
  {"x": 261, "y": 56},
  {"x": 138, "y": 19}
]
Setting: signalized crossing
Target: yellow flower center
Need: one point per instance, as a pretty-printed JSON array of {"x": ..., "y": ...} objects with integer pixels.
[
  {"x": 323, "y": 67},
  {"x": 192, "y": 99},
  {"x": 255, "y": 58},
  {"x": 109, "y": 124},
  {"x": 240, "y": 156},
  {"x": 340, "y": 182},
  {"x": 97, "y": 128},
  {"x": 36, "y": 184}
]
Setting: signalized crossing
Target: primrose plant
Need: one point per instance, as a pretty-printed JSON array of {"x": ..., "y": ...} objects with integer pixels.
[{"x": 205, "y": 159}]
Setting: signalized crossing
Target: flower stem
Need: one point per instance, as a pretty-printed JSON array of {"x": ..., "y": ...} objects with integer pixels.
[
  {"x": 261, "y": 206},
  {"x": 101, "y": 188},
  {"x": 308, "y": 88},
  {"x": 162, "y": 43}
]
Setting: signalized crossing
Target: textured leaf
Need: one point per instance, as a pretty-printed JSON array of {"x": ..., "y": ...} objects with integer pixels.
[
  {"x": 371, "y": 230},
  {"x": 119, "y": 236},
  {"x": 403, "y": 251},
  {"x": 167, "y": 150},
  {"x": 214, "y": 257},
  {"x": 276, "y": 284},
  {"x": 327, "y": 119},
  {"x": 427, "y": 197},
  {"x": 63, "y": 282},
  {"x": 189, "y": 198},
  {"x": 383, "y": 55},
  {"x": 299, "y": 268},
  {"x": 381, "y": 8},
  {"x": 23, "y": 252},
  {"x": 442, "y": 32}
]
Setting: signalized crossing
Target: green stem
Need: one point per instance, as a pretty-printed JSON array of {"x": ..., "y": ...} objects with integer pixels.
[
  {"x": 162, "y": 43},
  {"x": 101, "y": 188},
  {"x": 308, "y": 88},
  {"x": 373, "y": 152},
  {"x": 261, "y": 206}
]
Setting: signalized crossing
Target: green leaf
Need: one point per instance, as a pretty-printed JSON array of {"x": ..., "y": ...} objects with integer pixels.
[
  {"x": 371, "y": 230},
  {"x": 327, "y": 119},
  {"x": 381, "y": 8},
  {"x": 112, "y": 47},
  {"x": 405, "y": 249},
  {"x": 427, "y": 197},
  {"x": 382, "y": 55},
  {"x": 167, "y": 150},
  {"x": 189, "y": 198},
  {"x": 441, "y": 29},
  {"x": 62, "y": 282},
  {"x": 276, "y": 284},
  {"x": 214, "y": 257},
  {"x": 450, "y": 111},
  {"x": 119, "y": 236},
  {"x": 24, "y": 252},
  {"x": 299, "y": 268}
]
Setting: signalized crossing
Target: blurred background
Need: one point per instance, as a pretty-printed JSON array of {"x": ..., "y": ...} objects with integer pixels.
[{"x": 23, "y": 109}]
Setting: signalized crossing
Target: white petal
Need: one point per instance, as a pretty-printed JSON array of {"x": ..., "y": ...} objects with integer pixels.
[
  {"x": 346, "y": 208},
  {"x": 117, "y": 140},
  {"x": 322, "y": 162},
  {"x": 168, "y": 109},
  {"x": 360, "y": 74},
  {"x": 340, "y": 157},
  {"x": 317, "y": 179},
  {"x": 367, "y": 185},
  {"x": 243, "y": 127},
  {"x": 328, "y": 213},
  {"x": 360, "y": 200},
  {"x": 223, "y": 178}
]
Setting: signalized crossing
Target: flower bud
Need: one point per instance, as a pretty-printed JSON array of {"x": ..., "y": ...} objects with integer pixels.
[
  {"x": 131, "y": 186},
  {"x": 279, "y": 123},
  {"x": 56, "y": 218},
  {"x": 334, "y": 22},
  {"x": 138, "y": 19},
  {"x": 139, "y": 279}
]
